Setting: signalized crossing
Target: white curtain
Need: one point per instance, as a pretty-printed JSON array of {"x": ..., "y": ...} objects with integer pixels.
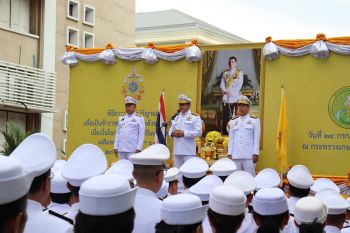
[
  {"x": 5, "y": 13},
  {"x": 20, "y": 15}
]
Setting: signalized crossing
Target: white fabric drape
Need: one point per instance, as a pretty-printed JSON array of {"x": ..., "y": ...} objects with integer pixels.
[
  {"x": 149, "y": 55},
  {"x": 319, "y": 49}
]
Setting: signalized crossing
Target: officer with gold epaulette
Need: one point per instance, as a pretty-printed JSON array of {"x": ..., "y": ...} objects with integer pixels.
[
  {"x": 184, "y": 129},
  {"x": 130, "y": 131},
  {"x": 244, "y": 138}
]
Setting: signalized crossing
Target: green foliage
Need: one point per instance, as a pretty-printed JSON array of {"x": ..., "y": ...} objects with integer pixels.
[{"x": 13, "y": 135}]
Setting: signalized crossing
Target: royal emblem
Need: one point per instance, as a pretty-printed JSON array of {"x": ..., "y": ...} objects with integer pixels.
[
  {"x": 339, "y": 107},
  {"x": 133, "y": 85}
]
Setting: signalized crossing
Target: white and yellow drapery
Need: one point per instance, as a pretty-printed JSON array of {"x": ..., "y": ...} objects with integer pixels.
[
  {"x": 150, "y": 55},
  {"x": 318, "y": 47}
]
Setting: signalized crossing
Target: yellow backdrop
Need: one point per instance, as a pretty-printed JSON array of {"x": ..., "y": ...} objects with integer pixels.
[
  {"x": 96, "y": 98},
  {"x": 313, "y": 139}
]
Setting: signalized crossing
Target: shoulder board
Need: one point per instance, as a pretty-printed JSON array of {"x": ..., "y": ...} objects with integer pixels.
[
  {"x": 234, "y": 118},
  {"x": 61, "y": 217},
  {"x": 194, "y": 114},
  {"x": 255, "y": 117},
  {"x": 139, "y": 115},
  {"x": 238, "y": 70}
]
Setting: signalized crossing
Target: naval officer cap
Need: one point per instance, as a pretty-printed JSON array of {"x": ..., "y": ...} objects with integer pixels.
[
  {"x": 37, "y": 153},
  {"x": 335, "y": 203},
  {"x": 130, "y": 100},
  {"x": 267, "y": 178},
  {"x": 310, "y": 210},
  {"x": 223, "y": 167},
  {"x": 85, "y": 162},
  {"x": 183, "y": 99},
  {"x": 58, "y": 183},
  {"x": 123, "y": 168},
  {"x": 171, "y": 174},
  {"x": 242, "y": 180},
  {"x": 227, "y": 200},
  {"x": 194, "y": 168},
  {"x": 183, "y": 209},
  {"x": 155, "y": 154},
  {"x": 244, "y": 100},
  {"x": 203, "y": 187},
  {"x": 270, "y": 201},
  {"x": 105, "y": 195},
  {"x": 300, "y": 177},
  {"x": 323, "y": 183},
  {"x": 14, "y": 181}
]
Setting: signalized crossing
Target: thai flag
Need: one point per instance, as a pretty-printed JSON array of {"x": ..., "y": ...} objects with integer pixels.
[{"x": 160, "y": 136}]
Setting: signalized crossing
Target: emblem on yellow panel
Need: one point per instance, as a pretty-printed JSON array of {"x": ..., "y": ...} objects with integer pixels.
[
  {"x": 133, "y": 85},
  {"x": 339, "y": 107}
]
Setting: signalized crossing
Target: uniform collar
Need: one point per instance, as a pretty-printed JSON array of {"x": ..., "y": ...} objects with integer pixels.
[
  {"x": 34, "y": 205},
  {"x": 244, "y": 117},
  {"x": 75, "y": 206},
  {"x": 186, "y": 113},
  {"x": 146, "y": 192},
  {"x": 130, "y": 115},
  {"x": 330, "y": 228}
]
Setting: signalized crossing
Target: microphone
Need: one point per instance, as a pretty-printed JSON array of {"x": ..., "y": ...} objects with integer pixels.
[{"x": 175, "y": 114}]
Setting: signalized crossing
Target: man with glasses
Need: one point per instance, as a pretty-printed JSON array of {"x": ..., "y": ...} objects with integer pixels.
[{"x": 149, "y": 173}]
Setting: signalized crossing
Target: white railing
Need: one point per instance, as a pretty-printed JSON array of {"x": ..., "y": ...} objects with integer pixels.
[{"x": 27, "y": 88}]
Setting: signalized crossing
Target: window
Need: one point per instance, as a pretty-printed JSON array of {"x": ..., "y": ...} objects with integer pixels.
[
  {"x": 72, "y": 37},
  {"x": 88, "y": 40},
  {"x": 89, "y": 15},
  {"x": 73, "y": 10},
  {"x": 20, "y": 15}
]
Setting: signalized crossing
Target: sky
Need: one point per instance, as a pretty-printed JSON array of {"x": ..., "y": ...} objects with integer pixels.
[{"x": 254, "y": 20}]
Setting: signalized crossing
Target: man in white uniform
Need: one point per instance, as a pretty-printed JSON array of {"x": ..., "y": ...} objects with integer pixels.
[
  {"x": 231, "y": 84},
  {"x": 184, "y": 129},
  {"x": 38, "y": 154},
  {"x": 149, "y": 174},
  {"x": 130, "y": 131},
  {"x": 244, "y": 138}
]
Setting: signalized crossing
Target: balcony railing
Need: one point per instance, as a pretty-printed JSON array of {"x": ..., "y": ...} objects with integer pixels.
[{"x": 27, "y": 88}]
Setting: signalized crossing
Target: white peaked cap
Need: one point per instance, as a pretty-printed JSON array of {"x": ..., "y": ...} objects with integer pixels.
[
  {"x": 183, "y": 209},
  {"x": 203, "y": 187},
  {"x": 105, "y": 195},
  {"x": 130, "y": 100},
  {"x": 183, "y": 99},
  {"x": 123, "y": 168},
  {"x": 163, "y": 191},
  {"x": 270, "y": 201},
  {"x": 85, "y": 162},
  {"x": 58, "y": 183},
  {"x": 244, "y": 100},
  {"x": 300, "y": 177},
  {"x": 194, "y": 168},
  {"x": 171, "y": 174},
  {"x": 309, "y": 209},
  {"x": 267, "y": 178},
  {"x": 335, "y": 203},
  {"x": 155, "y": 154},
  {"x": 323, "y": 183},
  {"x": 14, "y": 182},
  {"x": 223, "y": 167},
  {"x": 37, "y": 153},
  {"x": 242, "y": 180},
  {"x": 227, "y": 200}
]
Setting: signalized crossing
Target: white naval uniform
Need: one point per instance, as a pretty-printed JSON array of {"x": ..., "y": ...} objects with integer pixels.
[
  {"x": 59, "y": 208},
  {"x": 345, "y": 230},
  {"x": 185, "y": 147},
  {"x": 147, "y": 208},
  {"x": 129, "y": 135},
  {"x": 41, "y": 222},
  {"x": 234, "y": 89},
  {"x": 248, "y": 224},
  {"x": 332, "y": 229},
  {"x": 73, "y": 211},
  {"x": 206, "y": 225},
  {"x": 244, "y": 140},
  {"x": 291, "y": 203}
]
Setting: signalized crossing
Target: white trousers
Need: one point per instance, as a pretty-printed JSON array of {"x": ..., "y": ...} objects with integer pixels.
[
  {"x": 245, "y": 165},
  {"x": 181, "y": 159},
  {"x": 124, "y": 155}
]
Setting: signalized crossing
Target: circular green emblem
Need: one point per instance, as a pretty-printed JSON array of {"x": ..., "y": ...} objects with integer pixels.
[{"x": 339, "y": 107}]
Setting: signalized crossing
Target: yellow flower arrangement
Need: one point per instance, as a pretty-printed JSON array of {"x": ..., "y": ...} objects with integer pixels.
[{"x": 214, "y": 136}]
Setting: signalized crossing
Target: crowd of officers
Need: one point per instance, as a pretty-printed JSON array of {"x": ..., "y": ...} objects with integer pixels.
[{"x": 140, "y": 194}]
